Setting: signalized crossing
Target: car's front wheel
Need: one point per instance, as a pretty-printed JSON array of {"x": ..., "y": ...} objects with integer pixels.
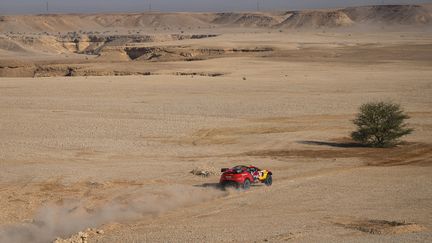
[
  {"x": 269, "y": 180},
  {"x": 246, "y": 184}
]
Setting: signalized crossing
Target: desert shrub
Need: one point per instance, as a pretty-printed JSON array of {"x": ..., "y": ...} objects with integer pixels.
[{"x": 380, "y": 124}]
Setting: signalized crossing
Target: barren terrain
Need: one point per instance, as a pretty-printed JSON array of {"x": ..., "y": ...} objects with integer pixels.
[{"x": 104, "y": 116}]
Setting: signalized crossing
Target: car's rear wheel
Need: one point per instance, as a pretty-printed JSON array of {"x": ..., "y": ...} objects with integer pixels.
[
  {"x": 228, "y": 184},
  {"x": 269, "y": 180},
  {"x": 246, "y": 184}
]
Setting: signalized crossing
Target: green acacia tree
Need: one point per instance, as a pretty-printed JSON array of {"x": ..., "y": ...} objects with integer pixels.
[{"x": 380, "y": 124}]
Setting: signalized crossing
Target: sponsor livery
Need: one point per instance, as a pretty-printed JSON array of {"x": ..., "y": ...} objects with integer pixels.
[{"x": 243, "y": 176}]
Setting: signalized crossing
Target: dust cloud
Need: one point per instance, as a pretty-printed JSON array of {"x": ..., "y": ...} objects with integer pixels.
[{"x": 69, "y": 217}]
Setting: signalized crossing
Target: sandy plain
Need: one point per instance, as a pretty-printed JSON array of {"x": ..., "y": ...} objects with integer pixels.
[{"x": 114, "y": 152}]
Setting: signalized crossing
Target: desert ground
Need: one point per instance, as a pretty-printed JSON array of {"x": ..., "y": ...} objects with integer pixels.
[{"x": 99, "y": 131}]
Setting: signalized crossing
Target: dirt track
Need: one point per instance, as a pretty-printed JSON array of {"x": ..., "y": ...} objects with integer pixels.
[{"x": 115, "y": 152}]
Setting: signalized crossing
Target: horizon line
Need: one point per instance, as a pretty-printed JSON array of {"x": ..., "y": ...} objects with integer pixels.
[{"x": 66, "y": 12}]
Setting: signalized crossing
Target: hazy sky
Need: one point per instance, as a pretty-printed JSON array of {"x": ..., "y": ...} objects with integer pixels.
[{"x": 39, "y": 6}]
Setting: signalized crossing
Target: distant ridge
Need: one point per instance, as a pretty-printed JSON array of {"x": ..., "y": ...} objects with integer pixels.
[
  {"x": 316, "y": 19},
  {"x": 391, "y": 15}
]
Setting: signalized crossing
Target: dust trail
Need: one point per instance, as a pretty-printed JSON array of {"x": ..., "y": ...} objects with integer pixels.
[{"x": 54, "y": 220}]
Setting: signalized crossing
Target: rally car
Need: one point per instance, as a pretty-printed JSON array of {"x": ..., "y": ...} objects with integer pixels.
[{"x": 242, "y": 176}]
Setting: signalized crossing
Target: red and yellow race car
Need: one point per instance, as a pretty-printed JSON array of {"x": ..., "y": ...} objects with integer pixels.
[{"x": 243, "y": 176}]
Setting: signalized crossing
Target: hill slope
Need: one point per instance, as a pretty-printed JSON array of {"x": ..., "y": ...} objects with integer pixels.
[{"x": 392, "y": 15}]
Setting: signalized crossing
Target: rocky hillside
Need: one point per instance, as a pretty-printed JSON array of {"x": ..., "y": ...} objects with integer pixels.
[{"x": 391, "y": 15}]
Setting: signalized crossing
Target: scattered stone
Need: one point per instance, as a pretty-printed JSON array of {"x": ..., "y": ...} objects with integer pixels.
[
  {"x": 204, "y": 172},
  {"x": 80, "y": 237}
]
